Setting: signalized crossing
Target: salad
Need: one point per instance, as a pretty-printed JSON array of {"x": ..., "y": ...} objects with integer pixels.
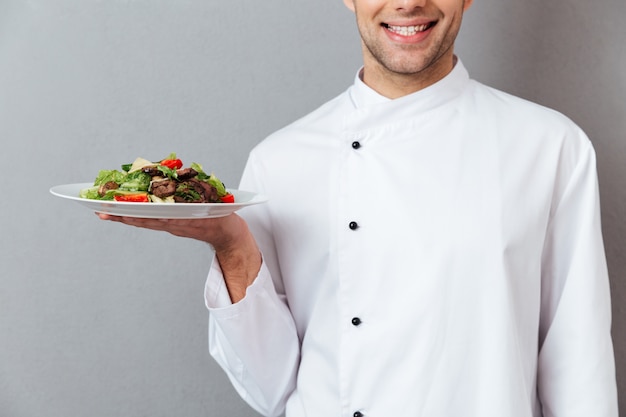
[{"x": 165, "y": 181}]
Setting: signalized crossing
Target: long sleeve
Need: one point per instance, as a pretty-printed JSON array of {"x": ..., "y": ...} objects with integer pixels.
[
  {"x": 576, "y": 371},
  {"x": 255, "y": 340}
]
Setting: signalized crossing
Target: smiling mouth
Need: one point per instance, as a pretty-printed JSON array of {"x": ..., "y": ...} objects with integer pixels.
[{"x": 408, "y": 30}]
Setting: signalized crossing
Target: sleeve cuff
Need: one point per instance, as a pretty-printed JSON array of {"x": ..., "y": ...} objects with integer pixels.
[
  {"x": 215, "y": 291},
  {"x": 216, "y": 297}
]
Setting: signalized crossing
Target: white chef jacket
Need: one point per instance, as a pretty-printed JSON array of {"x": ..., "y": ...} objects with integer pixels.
[{"x": 437, "y": 255}]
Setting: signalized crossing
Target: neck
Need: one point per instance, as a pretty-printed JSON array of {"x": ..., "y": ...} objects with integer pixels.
[{"x": 395, "y": 85}]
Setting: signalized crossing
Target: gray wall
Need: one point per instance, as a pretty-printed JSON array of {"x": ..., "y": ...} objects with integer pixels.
[{"x": 97, "y": 319}]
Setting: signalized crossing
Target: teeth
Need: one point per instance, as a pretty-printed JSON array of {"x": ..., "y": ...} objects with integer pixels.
[{"x": 407, "y": 30}]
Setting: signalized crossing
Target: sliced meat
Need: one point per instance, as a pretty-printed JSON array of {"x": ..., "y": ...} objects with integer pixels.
[
  {"x": 203, "y": 192},
  {"x": 152, "y": 170},
  {"x": 111, "y": 185},
  {"x": 186, "y": 173},
  {"x": 163, "y": 188}
]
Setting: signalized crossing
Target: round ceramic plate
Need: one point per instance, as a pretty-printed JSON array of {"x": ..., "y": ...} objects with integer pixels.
[{"x": 159, "y": 210}]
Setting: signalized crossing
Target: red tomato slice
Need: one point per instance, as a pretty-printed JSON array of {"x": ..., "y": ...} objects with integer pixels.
[
  {"x": 228, "y": 198},
  {"x": 172, "y": 163},
  {"x": 133, "y": 198}
]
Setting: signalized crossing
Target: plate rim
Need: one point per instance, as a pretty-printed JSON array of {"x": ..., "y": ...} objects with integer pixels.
[{"x": 186, "y": 210}]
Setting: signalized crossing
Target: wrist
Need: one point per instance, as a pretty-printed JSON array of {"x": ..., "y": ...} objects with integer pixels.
[{"x": 239, "y": 258}]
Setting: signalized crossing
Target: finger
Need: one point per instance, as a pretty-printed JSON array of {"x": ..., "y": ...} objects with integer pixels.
[{"x": 106, "y": 216}]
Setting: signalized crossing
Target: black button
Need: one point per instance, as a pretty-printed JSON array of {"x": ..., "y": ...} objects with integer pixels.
[
  {"x": 358, "y": 414},
  {"x": 356, "y": 321},
  {"x": 353, "y": 225},
  {"x": 356, "y": 144}
]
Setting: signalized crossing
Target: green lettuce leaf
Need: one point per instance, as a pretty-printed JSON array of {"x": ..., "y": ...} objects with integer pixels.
[
  {"x": 219, "y": 185},
  {"x": 136, "y": 181},
  {"x": 105, "y": 176}
]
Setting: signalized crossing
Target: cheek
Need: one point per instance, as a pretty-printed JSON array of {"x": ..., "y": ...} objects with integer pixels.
[
  {"x": 367, "y": 9},
  {"x": 349, "y": 4},
  {"x": 467, "y": 4}
]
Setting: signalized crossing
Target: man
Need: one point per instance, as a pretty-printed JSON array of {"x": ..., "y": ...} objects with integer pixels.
[{"x": 431, "y": 247}]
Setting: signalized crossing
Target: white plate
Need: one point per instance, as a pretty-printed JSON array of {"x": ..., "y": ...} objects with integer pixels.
[{"x": 159, "y": 210}]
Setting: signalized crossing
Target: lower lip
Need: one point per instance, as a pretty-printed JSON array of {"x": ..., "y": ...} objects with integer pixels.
[{"x": 415, "y": 38}]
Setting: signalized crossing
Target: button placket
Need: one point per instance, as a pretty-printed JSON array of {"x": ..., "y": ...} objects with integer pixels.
[{"x": 354, "y": 164}]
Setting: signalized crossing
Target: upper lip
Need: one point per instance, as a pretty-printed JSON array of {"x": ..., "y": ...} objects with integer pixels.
[
  {"x": 406, "y": 26},
  {"x": 408, "y": 23}
]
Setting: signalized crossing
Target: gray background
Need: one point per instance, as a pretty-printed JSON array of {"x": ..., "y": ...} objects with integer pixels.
[{"x": 98, "y": 319}]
